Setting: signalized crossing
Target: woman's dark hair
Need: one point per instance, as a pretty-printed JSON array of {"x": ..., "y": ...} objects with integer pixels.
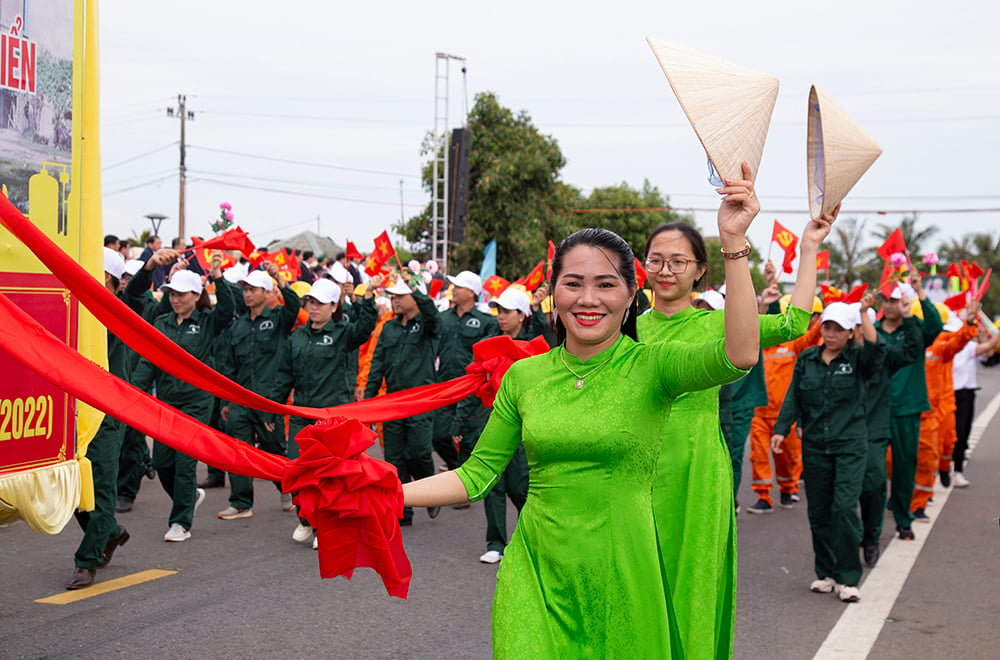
[
  {"x": 694, "y": 238},
  {"x": 612, "y": 242}
]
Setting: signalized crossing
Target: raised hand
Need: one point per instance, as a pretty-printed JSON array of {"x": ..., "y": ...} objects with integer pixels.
[{"x": 738, "y": 208}]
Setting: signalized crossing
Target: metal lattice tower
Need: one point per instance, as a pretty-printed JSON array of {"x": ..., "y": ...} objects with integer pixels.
[{"x": 439, "y": 173}]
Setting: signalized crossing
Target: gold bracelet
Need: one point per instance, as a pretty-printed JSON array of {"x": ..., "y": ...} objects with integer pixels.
[{"x": 745, "y": 252}]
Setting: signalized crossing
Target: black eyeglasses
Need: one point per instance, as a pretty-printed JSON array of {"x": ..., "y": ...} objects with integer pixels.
[{"x": 675, "y": 265}]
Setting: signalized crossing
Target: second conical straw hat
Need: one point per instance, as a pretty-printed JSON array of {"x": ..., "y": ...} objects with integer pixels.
[
  {"x": 838, "y": 153},
  {"x": 729, "y": 106}
]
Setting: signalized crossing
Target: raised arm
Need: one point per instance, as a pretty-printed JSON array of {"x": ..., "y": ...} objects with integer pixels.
[
  {"x": 813, "y": 235},
  {"x": 738, "y": 209}
]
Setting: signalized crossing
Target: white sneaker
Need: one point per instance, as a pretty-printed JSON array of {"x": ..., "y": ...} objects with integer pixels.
[
  {"x": 316, "y": 542},
  {"x": 199, "y": 497},
  {"x": 960, "y": 481},
  {"x": 848, "y": 594},
  {"x": 176, "y": 533},
  {"x": 302, "y": 533},
  {"x": 232, "y": 513},
  {"x": 823, "y": 586},
  {"x": 491, "y": 557},
  {"x": 286, "y": 502}
]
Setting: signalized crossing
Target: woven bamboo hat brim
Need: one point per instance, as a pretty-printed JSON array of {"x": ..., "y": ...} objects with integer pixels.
[
  {"x": 838, "y": 153},
  {"x": 728, "y": 106}
]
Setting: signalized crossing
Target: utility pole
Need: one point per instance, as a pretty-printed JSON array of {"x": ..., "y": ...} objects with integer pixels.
[
  {"x": 439, "y": 163},
  {"x": 184, "y": 115}
]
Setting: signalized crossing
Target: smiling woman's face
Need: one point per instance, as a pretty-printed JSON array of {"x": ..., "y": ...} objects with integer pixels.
[
  {"x": 666, "y": 285},
  {"x": 591, "y": 298}
]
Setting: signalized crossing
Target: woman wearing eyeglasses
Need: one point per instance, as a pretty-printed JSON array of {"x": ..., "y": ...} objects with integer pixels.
[{"x": 693, "y": 491}]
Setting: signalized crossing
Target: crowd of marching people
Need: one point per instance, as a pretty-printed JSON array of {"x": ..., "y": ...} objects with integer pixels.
[{"x": 842, "y": 383}]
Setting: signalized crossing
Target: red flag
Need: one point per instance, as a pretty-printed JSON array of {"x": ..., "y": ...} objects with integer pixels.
[
  {"x": 856, "y": 294},
  {"x": 985, "y": 285},
  {"x": 958, "y": 302},
  {"x": 830, "y": 294},
  {"x": 894, "y": 243},
  {"x": 788, "y": 242},
  {"x": 495, "y": 285},
  {"x": 352, "y": 251},
  {"x": 381, "y": 254},
  {"x": 549, "y": 258},
  {"x": 233, "y": 239},
  {"x": 823, "y": 260},
  {"x": 640, "y": 273},
  {"x": 535, "y": 277},
  {"x": 954, "y": 270},
  {"x": 436, "y": 286},
  {"x": 287, "y": 263}
]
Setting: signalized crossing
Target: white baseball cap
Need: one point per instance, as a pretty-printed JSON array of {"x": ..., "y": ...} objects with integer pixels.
[
  {"x": 259, "y": 279},
  {"x": 840, "y": 313},
  {"x": 714, "y": 299},
  {"x": 856, "y": 310},
  {"x": 954, "y": 323},
  {"x": 183, "y": 281},
  {"x": 897, "y": 293},
  {"x": 132, "y": 266},
  {"x": 114, "y": 265},
  {"x": 338, "y": 273},
  {"x": 324, "y": 291},
  {"x": 236, "y": 273},
  {"x": 511, "y": 299},
  {"x": 399, "y": 288},
  {"x": 468, "y": 280}
]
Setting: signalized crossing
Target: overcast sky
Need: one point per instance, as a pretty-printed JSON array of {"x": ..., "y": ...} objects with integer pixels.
[{"x": 349, "y": 87}]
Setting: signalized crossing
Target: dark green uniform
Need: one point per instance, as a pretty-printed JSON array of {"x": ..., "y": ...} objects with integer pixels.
[
  {"x": 134, "y": 459},
  {"x": 745, "y": 395},
  {"x": 513, "y": 483},
  {"x": 318, "y": 365},
  {"x": 195, "y": 334},
  {"x": 458, "y": 335},
  {"x": 908, "y": 399},
  {"x": 828, "y": 403},
  {"x": 99, "y": 526},
  {"x": 873, "y": 488},
  {"x": 404, "y": 358},
  {"x": 257, "y": 347}
]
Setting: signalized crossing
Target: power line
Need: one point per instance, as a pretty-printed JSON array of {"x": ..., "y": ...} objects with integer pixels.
[
  {"x": 317, "y": 184},
  {"x": 301, "y": 162},
  {"x": 138, "y": 185},
  {"x": 142, "y": 155},
  {"x": 274, "y": 115},
  {"x": 786, "y": 211},
  {"x": 300, "y": 194}
]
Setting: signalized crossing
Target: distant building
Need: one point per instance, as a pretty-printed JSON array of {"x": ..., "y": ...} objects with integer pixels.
[{"x": 321, "y": 246}]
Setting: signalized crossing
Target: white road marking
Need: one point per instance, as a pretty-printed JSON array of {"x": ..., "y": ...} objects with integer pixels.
[{"x": 860, "y": 624}]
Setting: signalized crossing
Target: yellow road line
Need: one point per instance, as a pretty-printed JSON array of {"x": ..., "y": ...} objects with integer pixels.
[{"x": 104, "y": 587}]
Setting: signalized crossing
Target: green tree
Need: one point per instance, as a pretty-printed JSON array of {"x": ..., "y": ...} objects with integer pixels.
[
  {"x": 848, "y": 253},
  {"x": 633, "y": 226},
  {"x": 515, "y": 195},
  {"x": 916, "y": 239}
]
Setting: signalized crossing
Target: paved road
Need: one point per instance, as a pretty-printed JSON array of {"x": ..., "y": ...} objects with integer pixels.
[{"x": 244, "y": 587}]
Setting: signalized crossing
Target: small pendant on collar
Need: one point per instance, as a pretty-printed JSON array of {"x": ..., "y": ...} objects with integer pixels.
[{"x": 579, "y": 384}]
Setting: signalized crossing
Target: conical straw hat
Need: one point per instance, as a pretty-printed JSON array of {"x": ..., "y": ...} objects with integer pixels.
[
  {"x": 838, "y": 153},
  {"x": 728, "y": 106}
]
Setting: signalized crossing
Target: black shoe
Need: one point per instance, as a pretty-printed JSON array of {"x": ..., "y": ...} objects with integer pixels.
[
  {"x": 109, "y": 549},
  {"x": 945, "y": 478},
  {"x": 871, "y": 553},
  {"x": 150, "y": 470},
  {"x": 433, "y": 511},
  {"x": 82, "y": 577},
  {"x": 124, "y": 505},
  {"x": 406, "y": 522},
  {"x": 212, "y": 482},
  {"x": 786, "y": 501},
  {"x": 905, "y": 533}
]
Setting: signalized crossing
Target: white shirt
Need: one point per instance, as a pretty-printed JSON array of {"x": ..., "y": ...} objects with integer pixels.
[{"x": 963, "y": 367}]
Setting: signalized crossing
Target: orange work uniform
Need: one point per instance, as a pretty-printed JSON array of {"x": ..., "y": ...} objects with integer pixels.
[
  {"x": 779, "y": 363},
  {"x": 940, "y": 391}
]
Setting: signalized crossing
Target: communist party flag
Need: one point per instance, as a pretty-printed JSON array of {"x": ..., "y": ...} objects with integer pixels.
[
  {"x": 535, "y": 277},
  {"x": 549, "y": 258},
  {"x": 288, "y": 265},
  {"x": 495, "y": 285},
  {"x": 823, "y": 260},
  {"x": 233, "y": 239},
  {"x": 788, "y": 242},
  {"x": 204, "y": 257},
  {"x": 381, "y": 254},
  {"x": 830, "y": 294}
]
